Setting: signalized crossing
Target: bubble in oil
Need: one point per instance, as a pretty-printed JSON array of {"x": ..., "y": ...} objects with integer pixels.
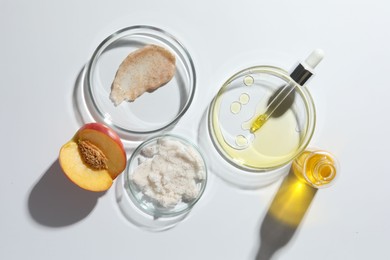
[
  {"x": 241, "y": 141},
  {"x": 235, "y": 107},
  {"x": 249, "y": 80},
  {"x": 244, "y": 98}
]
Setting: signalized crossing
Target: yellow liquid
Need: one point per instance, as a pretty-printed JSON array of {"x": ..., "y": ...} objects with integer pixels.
[
  {"x": 258, "y": 122},
  {"x": 273, "y": 145},
  {"x": 315, "y": 168}
]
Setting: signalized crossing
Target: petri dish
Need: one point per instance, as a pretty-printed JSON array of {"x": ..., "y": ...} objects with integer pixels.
[
  {"x": 276, "y": 143},
  {"x": 165, "y": 176},
  {"x": 151, "y": 112}
]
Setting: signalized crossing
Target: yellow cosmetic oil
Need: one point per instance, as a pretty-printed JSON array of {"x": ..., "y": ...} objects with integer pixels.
[
  {"x": 245, "y": 134},
  {"x": 274, "y": 144},
  {"x": 258, "y": 122}
]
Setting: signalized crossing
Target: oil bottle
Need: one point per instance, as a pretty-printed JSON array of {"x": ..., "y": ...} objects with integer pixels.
[{"x": 317, "y": 168}]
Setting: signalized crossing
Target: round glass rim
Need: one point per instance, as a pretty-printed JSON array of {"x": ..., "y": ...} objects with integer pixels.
[
  {"x": 131, "y": 193},
  {"x": 336, "y": 165},
  {"x": 130, "y": 30},
  {"x": 310, "y": 113}
]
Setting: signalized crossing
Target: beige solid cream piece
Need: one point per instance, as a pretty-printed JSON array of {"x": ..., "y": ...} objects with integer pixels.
[{"x": 143, "y": 70}]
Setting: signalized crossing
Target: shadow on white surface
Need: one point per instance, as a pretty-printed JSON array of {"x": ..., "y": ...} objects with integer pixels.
[
  {"x": 55, "y": 201},
  {"x": 287, "y": 209},
  {"x": 79, "y": 104},
  {"x": 284, "y": 216}
]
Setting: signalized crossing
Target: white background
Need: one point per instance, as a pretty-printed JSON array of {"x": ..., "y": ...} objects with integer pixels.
[{"x": 43, "y": 48}]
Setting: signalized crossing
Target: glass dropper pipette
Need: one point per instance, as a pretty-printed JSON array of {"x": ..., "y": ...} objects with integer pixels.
[{"x": 299, "y": 76}]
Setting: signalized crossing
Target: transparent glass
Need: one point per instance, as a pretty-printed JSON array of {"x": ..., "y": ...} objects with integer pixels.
[{"x": 151, "y": 112}]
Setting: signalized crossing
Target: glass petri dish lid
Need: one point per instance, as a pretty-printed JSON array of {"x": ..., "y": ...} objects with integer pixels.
[
  {"x": 166, "y": 176},
  {"x": 151, "y": 112}
]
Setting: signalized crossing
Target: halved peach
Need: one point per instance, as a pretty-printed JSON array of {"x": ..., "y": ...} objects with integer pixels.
[{"x": 94, "y": 157}]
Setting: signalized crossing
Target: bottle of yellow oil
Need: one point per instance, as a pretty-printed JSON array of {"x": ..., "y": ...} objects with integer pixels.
[{"x": 316, "y": 168}]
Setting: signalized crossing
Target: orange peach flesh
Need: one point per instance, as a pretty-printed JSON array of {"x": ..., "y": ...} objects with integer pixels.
[
  {"x": 116, "y": 157},
  {"x": 105, "y": 144},
  {"x": 80, "y": 173}
]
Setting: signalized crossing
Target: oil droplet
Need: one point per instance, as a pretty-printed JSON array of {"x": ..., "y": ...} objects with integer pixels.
[
  {"x": 244, "y": 98},
  {"x": 241, "y": 141},
  {"x": 248, "y": 80},
  {"x": 235, "y": 107}
]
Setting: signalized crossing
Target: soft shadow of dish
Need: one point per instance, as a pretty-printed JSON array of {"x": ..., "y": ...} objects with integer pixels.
[
  {"x": 78, "y": 100},
  {"x": 135, "y": 216},
  {"x": 55, "y": 201},
  {"x": 284, "y": 216}
]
